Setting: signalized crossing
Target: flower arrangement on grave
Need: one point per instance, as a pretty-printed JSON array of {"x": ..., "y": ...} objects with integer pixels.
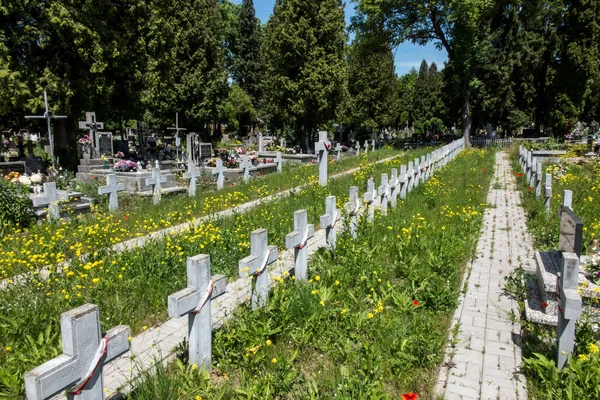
[
  {"x": 241, "y": 150},
  {"x": 212, "y": 162},
  {"x": 119, "y": 154},
  {"x": 85, "y": 143},
  {"x": 268, "y": 161},
  {"x": 231, "y": 163},
  {"x": 344, "y": 148},
  {"x": 125, "y": 166}
]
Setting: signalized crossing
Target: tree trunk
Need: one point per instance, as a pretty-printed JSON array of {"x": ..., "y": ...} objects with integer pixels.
[{"x": 466, "y": 116}]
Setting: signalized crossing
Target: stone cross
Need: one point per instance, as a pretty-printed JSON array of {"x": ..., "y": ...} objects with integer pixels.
[
  {"x": 246, "y": 165},
  {"x": 353, "y": 208},
  {"x": 322, "y": 148},
  {"x": 338, "y": 150},
  {"x": 384, "y": 192},
  {"x": 256, "y": 265},
  {"x": 112, "y": 189},
  {"x": 51, "y": 197},
  {"x": 403, "y": 181},
  {"x": 92, "y": 126},
  {"x": 220, "y": 172},
  {"x": 394, "y": 188},
  {"x": 357, "y": 147},
  {"x": 366, "y": 146},
  {"x": 155, "y": 182},
  {"x": 370, "y": 197},
  {"x": 85, "y": 352},
  {"x": 567, "y": 201},
  {"x": 279, "y": 161},
  {"x": 372, "y": 144},
  {"x": 298, "y": 240},
  {"x": 191, "y": 175},
  {"x": 428, "y": 166},
  {"x": 548, "y": 191},
  {"x": 416, "y": 173},
  {"x": 329, "y": 220},
  {"x": 423, "y": 169},
  {"x": 533, "y": 173},
  {"x": 538, "y": 185},
  {"x": 409, "y": 178},
  {"x": 48, "y": 116},
  {"x": 195, "y": 302},
  {"x": 569, "y": 308},
  {"x": 529, "y": 165}
]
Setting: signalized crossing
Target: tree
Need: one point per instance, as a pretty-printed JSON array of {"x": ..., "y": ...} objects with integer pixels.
[
  {"x": 239, "y": 109},
  {"x": 406, "y": 95},
  {"x": 304, "y": 59}
]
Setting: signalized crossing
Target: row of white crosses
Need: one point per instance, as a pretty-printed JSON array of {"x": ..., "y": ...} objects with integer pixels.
[
  {"x": 86, "y": 351},
  {"x": 534, "y": 172}
]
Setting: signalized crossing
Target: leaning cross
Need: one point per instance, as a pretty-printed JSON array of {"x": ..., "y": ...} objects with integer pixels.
[
  {"x": 298, "y": 240},
  {"x": 85, "y": 352},
  {"x": 384, "y": 192},
  {"x": 338, "y": 150},
  {"x": 155, "y": 181},
  {"x": 112, "y": 188},
  {"x": 394, "y": 188},
  {"x": 369, "y": 197},
  {"x": 195, "y": 302},
  {"x": 256, "y": 264},
  {"x": 329, "y": 220},
  {"x": 279, "y": 161},
  {"x": 322, "y": 148},
  {"x": 409, "y": 177},
  {"x": 220, "y": 172},
  {"x": 246, "y": 164},
  {"x": 353, "y": 208},
  {"x": 191, "y": 174},
  {"x": 569, "y": 308}
]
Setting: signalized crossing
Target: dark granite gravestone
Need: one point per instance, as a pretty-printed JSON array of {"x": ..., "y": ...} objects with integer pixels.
[
  {"x": 205, "y": 150},
  {"x": 571, "y": 232},
  {"x": 105, "y": 143},
  {"x": 122, "y": 146}
]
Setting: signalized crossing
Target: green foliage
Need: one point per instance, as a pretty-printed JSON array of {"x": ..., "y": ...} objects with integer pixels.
[{"x": 15, "y": 207}]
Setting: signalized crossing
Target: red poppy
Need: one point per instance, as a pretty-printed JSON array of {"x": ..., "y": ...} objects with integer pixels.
[
  {"x": 529, "y": 188},
  {"x": 416, "y": 303},
  {"x": 544, "y": 304},
  {"x": 410, "y": 396},
  {"x": 93, "y": 176},
  {"x": 126, "y": 216},
  {"x": 520, "y": 175}
]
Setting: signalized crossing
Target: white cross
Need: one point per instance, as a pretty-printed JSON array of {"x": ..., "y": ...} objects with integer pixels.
[
  {"x": 52, "y": 198},
  {"x": 298, "y": 240},
  {"x": 569, "y": 309},
  {"x": 191, "y": 175},
  {"x": 369, "y": 197},
  {"x": 357, "y": 147},
  {"x": 338, "y": 150},
  {"x": 409, "y": 177},
  {"x": 246, "y": 164},
  {"x": 394, "y": 188},
  {"x": 195, "y": 302},
  {"x": 155, "y": 181},
  {"x": 279, "y": 161},
  {"x": 48, "y": 115},
  {"x": 79, "y": 364},
  {"x": 321, "y": 149},
  {"x": 177, "y": 129},
  {"x": 329, "y": 220},
  {"x": 352, "y": 208},
  {"x": 112, "y": 189},
  {"x": 384, "y": 192},
  {"x": 366, "y": 146},
  {"x": 220, "y": 172},
  {"x": 256, "y": 265},
  {"x": 416, "y": 172}
]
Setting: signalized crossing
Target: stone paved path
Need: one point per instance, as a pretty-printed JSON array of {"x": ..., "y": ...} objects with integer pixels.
[{"x": 483, "y": 362}]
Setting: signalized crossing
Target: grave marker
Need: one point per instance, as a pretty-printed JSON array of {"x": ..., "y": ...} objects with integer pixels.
[
  {"x": 384, "y": 192},
  {"x": 322, "y": 148},
  {"x": 112, "y": 189},
  {"x": 548, "y": 192},
  {"x": 394, "y": 188},
  {"x": 155, "y": 182},
  {"x": 366, "y": 146},
  {"x": 372, "y": 144},
  {"x": 195, "y": 302},
  {"x": 357, "y": 147},
  {"x": 329, "y": 220},
  {"x": 279, "y": 161},
  {"x": 416, "y": 173},
  {"x": 571, "y": 232},
  {"x": 85, "y": 352},
  {"x": 409, "y": 177},
  {"x": 538, "y": 185},
  {"x": 533, "y": 173},
  {"x": 105, "y": 144},
  {"x": 369, "y": 197},
  {"x": 403, "y": 181},
  {"x": 567, "y": 201},
  {"x": 48, "y": 116},
  {"x": 245, "y": 165},
  {"x": 256, "y": 265},
  {"x": 569, "y": 309},
  {"x": 191, "y": 175},
  {"x": 353, "y": 208},
  {"x": 338, "y": 150},
  {"x": 220, "y": 172},
  {"x": 92, "y": 126},
  {"x": 423, "y": 170},
  {"x": 298, "y": 240},
  {"x": 52, "y": 198}
]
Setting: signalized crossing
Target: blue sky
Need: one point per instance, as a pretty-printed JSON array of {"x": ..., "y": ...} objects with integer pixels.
[{"x": 408, "y": 55}]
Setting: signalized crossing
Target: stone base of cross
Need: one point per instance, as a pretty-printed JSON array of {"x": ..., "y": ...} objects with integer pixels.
[
  {"x": 256, "y": 266},
  {"x": 569, "y": 309},
  {"x": 52, "y": 198},
  {"x": 85, "y": 352},
  {"x": 298, "y": 240},
  {"x": 112, "y": 188},
  {"x": 195, "y": 302},
  {"x": 321, "y": 149},
  {"x": 329, "y": 220},
  {"x": 155, "y": 182}
]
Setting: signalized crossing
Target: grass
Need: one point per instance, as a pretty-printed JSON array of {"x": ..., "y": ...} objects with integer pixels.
[{"x": 373, "y": 319}]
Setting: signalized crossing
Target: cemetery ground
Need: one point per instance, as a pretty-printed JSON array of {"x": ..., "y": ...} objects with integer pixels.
[
  {"x": 131, "y": 287},
  {"x": 580, "y": 378},
  {"x": 372, "y": 320},
  {"x": 29, "y": 249}
]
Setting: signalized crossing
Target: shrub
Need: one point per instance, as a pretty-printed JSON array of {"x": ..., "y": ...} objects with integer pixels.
[{"x": 15, "y": 207}]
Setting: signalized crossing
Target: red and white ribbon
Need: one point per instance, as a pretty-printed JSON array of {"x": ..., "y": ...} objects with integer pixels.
[
  {"x": 327, "y": 145},
  {"x": 263, "y": 264},
  {"x": 100, "y": 352},
  {"x": 304, "y": 240},
  {"x": 336, "y": 219},
  {"x": 204, "y": 298},
  {"x": 356, "y": 209}
]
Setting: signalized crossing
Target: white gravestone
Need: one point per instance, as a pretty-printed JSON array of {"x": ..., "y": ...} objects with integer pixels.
[
  {"x": 191, "y": 174},
  {"x": 366, "y": 146},
  {"x": 51, "y": 197},
  {"x": 548, "y": 192},
  {"x": 246, "y": 165},
  {"x": 220, "y": 172},
  {"x": 416, "y": 173},
  {"x": 112, "y": 189},
  {"x": 85, "y": 352},
  {"x": 256, "y": 266},
  {"x": 403, "y": 180},
  {"x": 321, "y": 149},
  {"x": 357, "y": 147},
  {"x": 195, "y": 302},
  {"x": 567, "y": 201},
  {"x": 409, "y": 177},
  {"x": 394, "y": 188},
  {"x": 279, "y": 161},
  {"x": 423, "y": 170},
  {"x": 529, "y": 164},
  {"x": 538, "y": 185},
  {"x": 353, "y": 208},
  {"x": 338, "y": 150},
  {"x": 533, "y": 173},
  {"x": 372, "y": 144},
  {"x": 384, "y": 193},
  {"x": 155, "y": 182},
  {"x": 298, "y": 240},
  {"x": 370, "y": 197},
  {"x": 569, "y": 309},
  {"x": 428, "y": 166},
  {"x": 329, "y": 220}
]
